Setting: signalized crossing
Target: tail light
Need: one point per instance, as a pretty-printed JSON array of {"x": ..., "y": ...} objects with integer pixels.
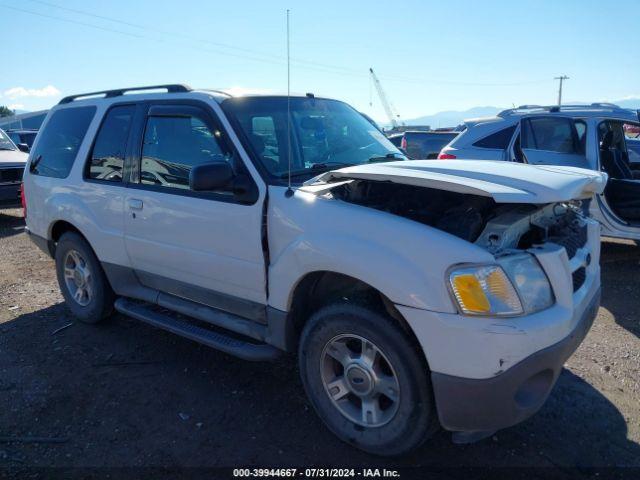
[
  {"x": 446, "y": 156},
  {"x": 403, "y": 143},
  {"x": 23, "y": 200}
]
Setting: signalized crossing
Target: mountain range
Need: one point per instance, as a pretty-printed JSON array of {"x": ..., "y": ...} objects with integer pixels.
[{"x": 451, "y": 118}]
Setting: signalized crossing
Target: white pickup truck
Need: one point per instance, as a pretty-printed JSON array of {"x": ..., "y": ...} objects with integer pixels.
[{"x": 415, "y": 294}]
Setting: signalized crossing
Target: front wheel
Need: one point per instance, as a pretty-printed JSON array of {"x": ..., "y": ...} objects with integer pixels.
[
  {"x": 366, "y": 379},
  {"x": 82, "y": 281}
]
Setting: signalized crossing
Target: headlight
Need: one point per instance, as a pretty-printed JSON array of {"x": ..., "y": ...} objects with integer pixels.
[
  {"x": 516, "y": 286},
  {"x": 530, "y": 280},
  {"x": 484, "y": 290}
]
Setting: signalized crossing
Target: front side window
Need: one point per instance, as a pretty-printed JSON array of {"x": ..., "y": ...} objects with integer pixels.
[
  {"x": 173, "y": 145},
  {"x": 60, "y": 140},
  {"x": 550, "y": 134},
  {"x": 107, "y": 157},
  {"x": 324, "y": 135}
]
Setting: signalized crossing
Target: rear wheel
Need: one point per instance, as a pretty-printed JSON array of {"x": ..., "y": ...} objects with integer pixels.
[
  {"x": 366, "y": 379},
  {"x": 82, "y": 281}
]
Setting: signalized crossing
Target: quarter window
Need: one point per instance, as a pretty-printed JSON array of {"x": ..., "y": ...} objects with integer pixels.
[
  {"x": 173, "y": 146},
  {"x": 107, "y": 157},
  {"x": 60, "y": 141},
  {"x": 498, "y": 140}
]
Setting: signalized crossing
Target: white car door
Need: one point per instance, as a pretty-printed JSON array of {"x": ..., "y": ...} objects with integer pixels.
[
  {"x": 550, "y": 140},
  {"x": 203, "y": 246}
]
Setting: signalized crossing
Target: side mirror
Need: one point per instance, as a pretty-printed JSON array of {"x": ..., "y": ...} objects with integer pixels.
[
  {"x": 210, "y": 176},
  {"x": 23, "y": 147}
]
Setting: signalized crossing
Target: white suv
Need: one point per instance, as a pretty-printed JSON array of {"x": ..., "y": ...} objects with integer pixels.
[
  {"x": 416, "y": 294},
  {"x": 601, "y": 136}
]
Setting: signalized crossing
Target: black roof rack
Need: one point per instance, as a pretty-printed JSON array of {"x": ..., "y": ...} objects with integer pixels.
[{"x": 171, "y": 88}]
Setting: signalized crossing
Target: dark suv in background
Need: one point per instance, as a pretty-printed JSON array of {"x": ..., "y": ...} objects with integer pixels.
[{"x": 425, "y": 145}]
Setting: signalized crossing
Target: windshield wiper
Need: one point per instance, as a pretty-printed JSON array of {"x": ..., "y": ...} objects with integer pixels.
[
  {"x": 34, "y": 164},
  {"x": 389, "y": 157},
  {"x": 317, "y": 168}
]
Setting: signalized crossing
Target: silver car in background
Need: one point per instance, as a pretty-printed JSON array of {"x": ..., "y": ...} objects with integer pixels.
[{"x": 600, "y": 136}]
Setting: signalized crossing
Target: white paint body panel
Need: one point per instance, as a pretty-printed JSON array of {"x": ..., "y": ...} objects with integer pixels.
[{"x": 504, "y": 182}]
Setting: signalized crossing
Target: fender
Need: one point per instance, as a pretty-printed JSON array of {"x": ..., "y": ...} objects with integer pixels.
[{"x": 405, "y": 260}]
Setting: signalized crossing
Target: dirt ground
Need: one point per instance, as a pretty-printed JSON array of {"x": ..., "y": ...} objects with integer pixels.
[{"x": 123, "y": 394}]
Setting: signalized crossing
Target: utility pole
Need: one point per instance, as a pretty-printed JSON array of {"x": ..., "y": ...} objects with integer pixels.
[{"x": 561, "y": 78}]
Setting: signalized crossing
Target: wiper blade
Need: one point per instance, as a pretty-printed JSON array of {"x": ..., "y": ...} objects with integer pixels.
[
  {"x": 33, "y": 166},
  {"x": 389, "y": 157},
  {"x": 317, "y": 168}
]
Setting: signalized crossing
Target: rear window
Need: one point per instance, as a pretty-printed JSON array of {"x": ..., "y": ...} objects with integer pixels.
[
  {"x": 60, "y": 140},
  {"x": 498, "y": 140}
]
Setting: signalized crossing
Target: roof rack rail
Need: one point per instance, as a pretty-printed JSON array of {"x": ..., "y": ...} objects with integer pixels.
[
  {"x": 560, "y": 108},
  {"x": 170, "y": 88}
]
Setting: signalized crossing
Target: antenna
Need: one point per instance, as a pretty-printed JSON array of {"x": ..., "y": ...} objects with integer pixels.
[{"x": 289, "y": 191}]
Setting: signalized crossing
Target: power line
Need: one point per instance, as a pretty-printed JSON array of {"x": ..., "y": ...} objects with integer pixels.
[{"x": 254, "y": 55}]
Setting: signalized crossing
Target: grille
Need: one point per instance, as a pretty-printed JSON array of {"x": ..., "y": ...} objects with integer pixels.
[
  {"x": 11, "y": 175},
  {"x": 572, "y": 242},
  {"x": 578, "y": 277}
]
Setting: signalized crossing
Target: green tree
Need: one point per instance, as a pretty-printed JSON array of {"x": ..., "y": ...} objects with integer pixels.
[{"x": 6, "y": 111}]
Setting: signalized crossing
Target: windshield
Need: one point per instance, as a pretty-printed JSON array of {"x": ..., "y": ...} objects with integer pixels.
[
  {"x": 325, "y": 135},
  {"x": 5, "y": 142}
]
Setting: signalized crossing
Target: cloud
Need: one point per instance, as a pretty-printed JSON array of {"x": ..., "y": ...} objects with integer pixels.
[
  {"x": 22, "y": 92},
  {"x": 16, "y": 106}
]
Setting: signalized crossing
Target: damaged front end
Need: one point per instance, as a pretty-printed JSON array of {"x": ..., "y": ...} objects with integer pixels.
[{"x": 477, "y": 219}]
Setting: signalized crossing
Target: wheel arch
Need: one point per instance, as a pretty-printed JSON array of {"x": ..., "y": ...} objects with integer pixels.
[{"x": 322, "y": 287}]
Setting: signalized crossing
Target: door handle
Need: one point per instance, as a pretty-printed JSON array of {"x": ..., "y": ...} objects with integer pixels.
[{"x": 135, "y": 204}]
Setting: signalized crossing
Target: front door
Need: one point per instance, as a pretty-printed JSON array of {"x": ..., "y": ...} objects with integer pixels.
[{"x": 203, "y": 246}]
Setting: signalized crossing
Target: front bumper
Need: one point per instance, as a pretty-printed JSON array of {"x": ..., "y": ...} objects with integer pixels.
[{"x": 467, "y": 404}]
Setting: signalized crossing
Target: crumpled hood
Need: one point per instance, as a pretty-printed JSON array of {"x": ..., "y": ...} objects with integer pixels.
[
  {"x": 506, "y": 182},
  {"x": 13, "y": 158}
]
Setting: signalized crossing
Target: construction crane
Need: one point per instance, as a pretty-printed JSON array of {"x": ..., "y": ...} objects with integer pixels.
[{"x": 389, "y": 109}]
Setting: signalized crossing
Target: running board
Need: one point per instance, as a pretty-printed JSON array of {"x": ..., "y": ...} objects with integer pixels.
[{"x": 232, "y": 346}]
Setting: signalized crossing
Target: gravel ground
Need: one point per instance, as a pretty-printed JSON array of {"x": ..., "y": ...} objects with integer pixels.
[{"x": 123, "y": 394}]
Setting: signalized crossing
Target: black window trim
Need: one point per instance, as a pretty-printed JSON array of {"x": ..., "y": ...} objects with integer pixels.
[{"x": 211, "y": 120}]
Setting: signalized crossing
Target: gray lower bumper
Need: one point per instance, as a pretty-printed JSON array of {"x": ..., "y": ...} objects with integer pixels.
[
  {"x": 491, "y": 404},
  {"x": 43, "y": 244}
]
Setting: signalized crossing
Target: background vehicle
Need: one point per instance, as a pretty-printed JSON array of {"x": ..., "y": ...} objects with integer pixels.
[
  {"x": 22, "y": 138},
  {"x": 160, "y": 204},
  {"x": 601, "y": 137},
  {"x": 425, "y": 145},
  {"x": 12, "y": 162}
]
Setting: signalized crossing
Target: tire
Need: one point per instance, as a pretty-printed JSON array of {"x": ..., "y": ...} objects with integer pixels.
[
  {"x": 97, "y": 303},
  {"x": 399, "y": 425}
]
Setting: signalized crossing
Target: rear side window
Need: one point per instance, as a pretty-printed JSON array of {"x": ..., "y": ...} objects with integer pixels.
[
  {"x": 498, "y": 140},
  {"x": 60, "y": 140},
  {"x": 107, "y": 157},
  {"x": 550, "y": 134}
]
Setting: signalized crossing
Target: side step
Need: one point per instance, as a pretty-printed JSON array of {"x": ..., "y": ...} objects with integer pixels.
[{"x": 232, "y": 346}]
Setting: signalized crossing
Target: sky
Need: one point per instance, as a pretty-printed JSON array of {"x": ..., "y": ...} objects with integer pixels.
[{"x": 430, "y": 56}]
